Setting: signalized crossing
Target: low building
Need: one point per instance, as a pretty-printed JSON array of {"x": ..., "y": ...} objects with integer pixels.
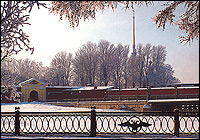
[{"x": 33, "y": 90}]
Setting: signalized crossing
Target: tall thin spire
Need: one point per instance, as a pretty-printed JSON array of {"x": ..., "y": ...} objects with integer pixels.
[{"x": 134, "y": 50}]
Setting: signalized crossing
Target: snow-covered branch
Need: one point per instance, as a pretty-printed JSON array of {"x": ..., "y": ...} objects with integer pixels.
[{"x": 13, "y": 17}]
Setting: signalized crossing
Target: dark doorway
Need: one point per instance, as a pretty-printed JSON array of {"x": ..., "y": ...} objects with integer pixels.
[{"x": 33, "y": 96}]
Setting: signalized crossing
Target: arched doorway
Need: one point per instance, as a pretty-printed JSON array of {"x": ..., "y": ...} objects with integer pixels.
[{"x": 33, "y": 96}]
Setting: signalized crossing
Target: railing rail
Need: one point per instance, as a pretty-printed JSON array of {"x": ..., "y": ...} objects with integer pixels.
[{"x": 98, "y": 123}]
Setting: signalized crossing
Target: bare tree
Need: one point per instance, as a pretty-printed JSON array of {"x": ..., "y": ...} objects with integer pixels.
[
  {"x": 85, "y": 64},
  {"x": 167, "y": 75},
  {"x": 158, "y": 56},
  {"x": 13, "y": 18},
  {"x": 91, "y": 62},
  {"x": 132, "y": 71},
  {"x": 61, "y": 66},
  {"x": 79, "y": 68},
  {"x": 55, "y": 76},
  {"x": 24, "y": 69},
  {"x": 44, "y": 74},
  {"x": 119, "y": 74},
  {"x": 125, "y": 65},
  {"x": 105, "y": 51},
  {"x": 9, "y": 83},
  {"x": 147, "y": 63},
  {"x": 140, "y": 65},
  {"x": 148, "y": 67}
]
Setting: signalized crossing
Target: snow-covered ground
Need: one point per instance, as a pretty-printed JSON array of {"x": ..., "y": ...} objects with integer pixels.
[
  {"x": 45, "y": 107},
  {"x": 41, "y": 107}
]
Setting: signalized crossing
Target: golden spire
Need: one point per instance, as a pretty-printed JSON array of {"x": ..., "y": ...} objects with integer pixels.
[{"x": 134, "y": 50}]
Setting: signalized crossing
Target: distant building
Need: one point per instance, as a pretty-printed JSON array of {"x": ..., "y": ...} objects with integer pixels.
[{"x": 33, "y": 90}]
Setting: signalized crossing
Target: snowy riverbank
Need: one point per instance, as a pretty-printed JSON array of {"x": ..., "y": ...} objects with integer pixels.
[{"x": 41, "y": 107}]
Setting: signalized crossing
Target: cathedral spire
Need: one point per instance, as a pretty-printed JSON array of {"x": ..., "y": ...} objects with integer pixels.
[{"x": 134, "y": 50}]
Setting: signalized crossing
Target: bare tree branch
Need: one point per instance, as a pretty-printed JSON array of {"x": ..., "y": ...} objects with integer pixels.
[{"x": 13, "y": 17}]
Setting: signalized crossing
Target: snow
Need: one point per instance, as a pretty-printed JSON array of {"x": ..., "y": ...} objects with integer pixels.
[
  {"x": 174, "y": 100},
  {"x": 147, "y": 106},
  {"x": 45, "y": 107},
  {"x": 41, "y": 107},
  {"x": 36, "y": 107},
  {"x": 93, "y": 88}
]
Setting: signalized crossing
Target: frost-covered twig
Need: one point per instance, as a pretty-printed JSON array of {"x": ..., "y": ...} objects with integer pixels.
[{"x": 13, "y": 17}]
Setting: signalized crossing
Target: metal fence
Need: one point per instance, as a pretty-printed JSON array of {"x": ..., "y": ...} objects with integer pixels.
[{"x": 99, "y": 123}]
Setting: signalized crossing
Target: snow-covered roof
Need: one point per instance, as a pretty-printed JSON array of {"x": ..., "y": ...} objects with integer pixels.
[
  {"x": 94, "y": 88},
  {"x": 31, "y": 80},
  {"x": 72, "y": 88},
  {"x": 146, "y": 106},
  {"x": 173, "y": 100},
  {"x": 124, "y": 107},
  {"x": 157, "y": 88},
  {"x": 130, "y": 89},
  {"x": 187, "y": 87},
  {"x": 186, "y": 83},
  {"x": 67, "y": 87}
]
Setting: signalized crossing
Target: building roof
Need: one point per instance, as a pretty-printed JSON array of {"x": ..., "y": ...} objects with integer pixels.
[
  {"x": 146, "y": 106},
  {"x": 31, "y": 80},
  {"x": 94, "y": 88},
  {"x": 186, "y": 84},
  {"x": 67, "y": 87},
  {"x": 173, "y": 100}
]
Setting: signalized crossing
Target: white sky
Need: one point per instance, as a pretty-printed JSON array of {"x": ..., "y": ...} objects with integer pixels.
[{"x": 49, "y": 36}]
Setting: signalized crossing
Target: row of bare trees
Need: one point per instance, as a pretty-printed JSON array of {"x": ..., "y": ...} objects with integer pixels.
[{"x": 101, "y": 64}]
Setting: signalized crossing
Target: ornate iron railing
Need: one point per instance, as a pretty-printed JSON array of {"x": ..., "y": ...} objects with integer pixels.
[
  {"x": 98, "y": 123},
  {"x": 160, "y": 122},
  {"x": 46, "y": 122}
]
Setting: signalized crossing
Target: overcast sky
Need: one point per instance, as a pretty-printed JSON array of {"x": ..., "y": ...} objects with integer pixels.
[{"x": 49, "y": 36}]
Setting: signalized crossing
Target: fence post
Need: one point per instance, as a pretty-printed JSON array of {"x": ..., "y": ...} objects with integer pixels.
[
  {"x": 137, "y": 95},
  {"x": 149, "y": 92},
  {"x": 176, "y": 92},
  {"x": 147, "y": 96},
  {"x": 17, "y": 122},
  {"x": 93, "y": 122},
  {"x": 176, "y": 122}
]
